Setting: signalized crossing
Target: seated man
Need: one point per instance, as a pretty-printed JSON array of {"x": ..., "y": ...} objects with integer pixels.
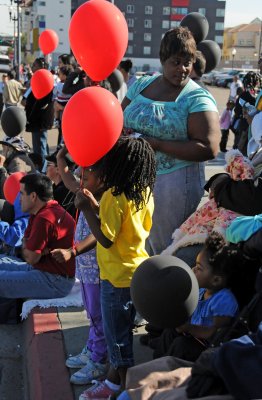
[{"x": 50, "y": 227}]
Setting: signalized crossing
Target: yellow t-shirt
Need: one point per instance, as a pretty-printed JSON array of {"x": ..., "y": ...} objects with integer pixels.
[{"x": 128, "y": 230}]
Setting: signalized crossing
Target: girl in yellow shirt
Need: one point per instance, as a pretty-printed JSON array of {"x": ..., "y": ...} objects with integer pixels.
[{"x": 124, "y": 222}]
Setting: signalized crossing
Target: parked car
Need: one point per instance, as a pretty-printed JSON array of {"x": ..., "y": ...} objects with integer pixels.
[
  {"x": 227, "y": 80},
  {"x": 4, "y": 63},
  {"x": 208, "y": 78},
  {"x": 226, "y": 75}
]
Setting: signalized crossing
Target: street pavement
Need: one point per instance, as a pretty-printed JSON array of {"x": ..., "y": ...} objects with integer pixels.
[{"x": 73, "y": 321}]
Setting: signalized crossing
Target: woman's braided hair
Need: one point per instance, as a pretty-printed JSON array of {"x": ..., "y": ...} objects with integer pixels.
[{"x": 130, "y": 168}]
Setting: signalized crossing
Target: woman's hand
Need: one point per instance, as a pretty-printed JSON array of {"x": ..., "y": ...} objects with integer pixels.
[{"x": 61, "y": 255}]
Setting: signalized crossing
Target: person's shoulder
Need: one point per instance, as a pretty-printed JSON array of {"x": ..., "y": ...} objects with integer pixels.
[{"x": 140, "y": 84}]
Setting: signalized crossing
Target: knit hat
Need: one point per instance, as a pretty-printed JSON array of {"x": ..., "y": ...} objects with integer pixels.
[
  {"x": 238, "y": 166},
  {"x": 16, "y": 142}
]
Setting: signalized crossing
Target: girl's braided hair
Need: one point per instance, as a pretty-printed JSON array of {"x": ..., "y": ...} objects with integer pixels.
[{"x": 130, "y": 168}]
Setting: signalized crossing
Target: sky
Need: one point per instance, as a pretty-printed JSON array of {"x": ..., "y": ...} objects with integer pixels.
[{"x": 237, "y": 12}]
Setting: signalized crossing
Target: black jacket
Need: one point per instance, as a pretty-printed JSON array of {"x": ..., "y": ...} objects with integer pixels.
[{"x": 39, "y": 113}]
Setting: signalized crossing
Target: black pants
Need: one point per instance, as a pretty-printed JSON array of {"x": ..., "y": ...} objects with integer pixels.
[
  {"x": 178, "y": 345},
  {"x": 224, "y": 139},
  {"x": 1, "y": 104}
]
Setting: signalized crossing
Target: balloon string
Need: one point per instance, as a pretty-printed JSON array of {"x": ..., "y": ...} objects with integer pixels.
[
  {"x": 95, "y": 83},
  {"x": 81, "y": 187}
]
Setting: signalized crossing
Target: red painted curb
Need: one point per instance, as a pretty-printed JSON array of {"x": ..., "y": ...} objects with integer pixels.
[{"x": 46, "y": 373}]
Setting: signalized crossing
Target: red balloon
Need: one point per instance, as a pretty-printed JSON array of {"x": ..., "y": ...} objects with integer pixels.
[
  {"x": 48, "y": 41},
  {"x": 98, "y": 36},
  {"x": 92, "y": 122},
  {"x": 12, "y": 186},
  {"x": 42, "y": 83}
]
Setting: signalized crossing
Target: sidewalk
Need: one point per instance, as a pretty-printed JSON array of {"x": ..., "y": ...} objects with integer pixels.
[{"x": 51, "y": 335}]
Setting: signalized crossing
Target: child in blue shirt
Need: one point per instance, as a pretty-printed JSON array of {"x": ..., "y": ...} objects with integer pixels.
[{"x": 215, "y": 269}]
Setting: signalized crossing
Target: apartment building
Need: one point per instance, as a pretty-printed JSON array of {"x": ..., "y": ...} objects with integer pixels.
[
  {"x": 242, "y": 45},
  {"x": 149, "y": 20}
]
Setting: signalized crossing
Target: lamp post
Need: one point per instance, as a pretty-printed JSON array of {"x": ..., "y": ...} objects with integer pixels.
[
  {"x": 234, "y": 52},
  {"x": 13, "y": 18},
  {"x": 18, "y": 19}
]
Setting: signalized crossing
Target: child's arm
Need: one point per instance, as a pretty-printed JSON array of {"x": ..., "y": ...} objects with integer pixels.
[
  {"x": 68, "y": 178},
  {"x": 204, "y": 332},
  {"x": 85, "y": 203},
  {"x": 63, "y": 255}
]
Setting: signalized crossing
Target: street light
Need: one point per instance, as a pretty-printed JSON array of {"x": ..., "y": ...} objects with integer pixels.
[
  {"x": 234, "y": 52},
  {"x": 18, "y": 16},
  {"x": 13, "y": 18}
]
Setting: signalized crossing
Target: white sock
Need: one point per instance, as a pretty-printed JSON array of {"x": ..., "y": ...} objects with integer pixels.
[{"x": 112, "y": 385}]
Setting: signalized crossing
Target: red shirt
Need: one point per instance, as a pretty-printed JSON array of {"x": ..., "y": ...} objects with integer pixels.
[{"x": 52, "y": 227}]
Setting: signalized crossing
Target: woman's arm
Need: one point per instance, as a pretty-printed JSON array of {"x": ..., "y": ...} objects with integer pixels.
[
  {"x": 125, "y": 103},
  {"x": 204, "y": 134}
]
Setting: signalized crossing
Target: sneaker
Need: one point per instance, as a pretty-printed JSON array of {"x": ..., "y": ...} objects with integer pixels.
[
  {"x": 139, "y": 321},
  {"x": 80, "y": 360},
  {"x": 92, "y": 370},
  {"x": 99, "y": 391}
]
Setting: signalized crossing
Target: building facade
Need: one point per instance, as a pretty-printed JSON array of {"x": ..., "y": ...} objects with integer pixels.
[
  {"x": 148, "y": 23},
  {"x": 242, "y": 45}
]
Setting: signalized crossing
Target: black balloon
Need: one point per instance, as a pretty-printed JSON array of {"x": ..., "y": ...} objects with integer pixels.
[
  {"x": 116, "y": 80},
  {"x": 212, "y": 53},
  {"x": 13, "y": 121},
  {"x": 164, "y": 291},
  {"x": 197, "y": 24}
]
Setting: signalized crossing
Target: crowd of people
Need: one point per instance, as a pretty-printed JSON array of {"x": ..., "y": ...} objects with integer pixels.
[{"x": 132, "y": 204}]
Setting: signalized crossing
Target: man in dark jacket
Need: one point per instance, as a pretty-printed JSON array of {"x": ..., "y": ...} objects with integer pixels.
[{"x": 39, "y": 114}]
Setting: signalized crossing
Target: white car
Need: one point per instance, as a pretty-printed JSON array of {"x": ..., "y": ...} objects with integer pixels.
[{"x": 4, "y": 63}]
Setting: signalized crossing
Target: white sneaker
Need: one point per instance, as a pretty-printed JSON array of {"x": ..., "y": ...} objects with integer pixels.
[
  {"x": 80, "y": 360},
  {"x": 92, "y": 370}
]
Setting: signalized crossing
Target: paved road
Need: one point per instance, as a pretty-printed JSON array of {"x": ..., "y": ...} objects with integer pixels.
[{"x": 11, "y": 350}]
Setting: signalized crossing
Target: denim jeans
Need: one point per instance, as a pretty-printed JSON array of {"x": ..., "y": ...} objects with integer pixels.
[
  {"x": 39, "y": 140},
  {"x": 118, "y": 315},
  {"x": 20, "y": 280},
  {"x": 176, "y": 197}
]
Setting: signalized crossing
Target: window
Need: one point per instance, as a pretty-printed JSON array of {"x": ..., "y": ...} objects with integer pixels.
[
  {"x": 42, "y": 3},
  {"x": 147, "y": 37},
  {"x": 130, "y": 36},
  {"x": 41, "y": 24},
  {"x": 165, "y": 24},
  {"x": 148, "y": 23},
  {"x": 179, "y": 10},
  {"x": 130, "y": 49},
  {"x": 130, "y": 22},
  {"x": 61, "y": 29},
  {"x": 61, "y": 16},
  {"x": 166, "y": 10},
  {"x": 220, "y": 12},
  {"x": 147, "y": 50},
  {"x": 241, "y": 42},
  {"x": 130, "y": 9},
  {"x": 61, "y": 43},
  {"x": 202, "y": 11},
  {"x": 219, "y": 26},
  {"x": 174, "y": 24},
  {"x": 41, "y": 17},
  {"x": 149, "y": 10},
  {"x": 219, "y": 39}
]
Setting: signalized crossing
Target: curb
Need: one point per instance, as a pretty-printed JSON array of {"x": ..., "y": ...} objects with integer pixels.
[{"x": 46, "y": 375}]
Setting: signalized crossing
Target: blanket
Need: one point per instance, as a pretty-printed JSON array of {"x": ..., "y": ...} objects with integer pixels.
[{"x": 73, "y": 299}]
